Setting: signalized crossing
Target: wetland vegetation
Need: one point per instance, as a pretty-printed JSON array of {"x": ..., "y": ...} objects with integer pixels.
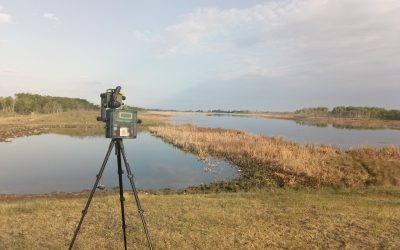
[
  {"x": 269, "y": 161},
  {"x": 289, "y": 195}
]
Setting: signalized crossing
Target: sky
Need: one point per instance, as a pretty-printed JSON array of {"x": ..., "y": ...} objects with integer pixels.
[{"x": 179, "y": 54}]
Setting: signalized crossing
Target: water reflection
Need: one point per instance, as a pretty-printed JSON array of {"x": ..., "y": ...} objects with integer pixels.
[
  {"x": 313, "y": 124},
  {"x": 78, "y": 132},
  {"x": 48, "y": 163},
  {"x": 339, "y": 125},
  {"x": 319, "y": 134}
]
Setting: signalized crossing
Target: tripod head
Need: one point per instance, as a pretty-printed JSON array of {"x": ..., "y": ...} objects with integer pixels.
[{"x": 121, "y": 122}]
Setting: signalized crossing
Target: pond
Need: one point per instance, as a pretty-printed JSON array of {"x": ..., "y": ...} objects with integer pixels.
[
  {"x": 61, "y": 163},
  {"x": 301, "y": 133}
]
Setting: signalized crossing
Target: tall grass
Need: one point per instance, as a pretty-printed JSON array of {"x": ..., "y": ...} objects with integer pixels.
[{"x": 275, "y": 161}]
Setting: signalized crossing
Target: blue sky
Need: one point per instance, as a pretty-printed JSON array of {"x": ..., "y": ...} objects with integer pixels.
[{"x": 258, "y": 55}]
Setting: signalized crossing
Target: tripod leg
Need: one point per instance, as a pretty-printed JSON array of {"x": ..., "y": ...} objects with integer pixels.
[
  {"x": 135, "y": 193},
  {"x": 121, "y": 189},
  {"x": 98, "y": 177}
]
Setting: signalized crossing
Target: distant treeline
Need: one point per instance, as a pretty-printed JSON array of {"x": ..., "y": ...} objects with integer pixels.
[
  {"x": 228, "y": 111},
  {"x": 352, "y": 112},
  {"x": 201, "y": 111},
  {"x": 25, "y": 103}
]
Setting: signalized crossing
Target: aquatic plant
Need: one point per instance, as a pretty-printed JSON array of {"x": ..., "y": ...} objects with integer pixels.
[{"x": 267, "y": 161}]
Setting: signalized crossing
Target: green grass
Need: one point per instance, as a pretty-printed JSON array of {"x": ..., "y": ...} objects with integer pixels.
[{"x": 261, "y": 219}]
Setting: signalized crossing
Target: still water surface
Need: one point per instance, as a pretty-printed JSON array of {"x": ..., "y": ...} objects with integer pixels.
[
  {"x": 340, "y": 137},
  {"x": 50, "y": 163}
]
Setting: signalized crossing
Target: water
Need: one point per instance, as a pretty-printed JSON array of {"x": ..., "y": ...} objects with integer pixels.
[
  {"x": 340, "y": 137},
  {"x": 61, "y": 163},
  {"x": 51, "y": 163}
]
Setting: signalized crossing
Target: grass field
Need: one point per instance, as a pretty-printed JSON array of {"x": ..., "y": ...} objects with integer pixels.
[{"x": 260, "y": 219}]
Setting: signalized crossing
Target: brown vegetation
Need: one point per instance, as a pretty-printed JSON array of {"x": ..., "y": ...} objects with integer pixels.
[
  {"x": 14, "y": 125},
  {"x": 269, "y": 161},
  {"x": 264, "y": 219}
]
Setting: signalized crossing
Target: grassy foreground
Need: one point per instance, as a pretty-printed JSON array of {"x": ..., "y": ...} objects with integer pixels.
[
  {"x": 269, "y": 161},
  {"x": 261, "y": 219}
]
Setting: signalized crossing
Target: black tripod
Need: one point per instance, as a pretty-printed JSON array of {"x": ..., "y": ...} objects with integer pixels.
[{"x": 119, "y": 149}]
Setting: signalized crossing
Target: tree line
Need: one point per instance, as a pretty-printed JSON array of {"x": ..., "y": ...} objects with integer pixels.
[
  {"x": 352, "y": 112},
  {"x": 25, "y": 103}
]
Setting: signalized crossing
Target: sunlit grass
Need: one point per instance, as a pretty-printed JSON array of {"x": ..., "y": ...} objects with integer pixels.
[
  {"x": 269, "y": 161},
  {"x": 261, "y": 219}
]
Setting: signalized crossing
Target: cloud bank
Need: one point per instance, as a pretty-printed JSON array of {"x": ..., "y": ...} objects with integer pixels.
[
  {"x": 52, "y": 17},
  {"x": 298, "y": 44},
  {"x": 319, "y": 30}
]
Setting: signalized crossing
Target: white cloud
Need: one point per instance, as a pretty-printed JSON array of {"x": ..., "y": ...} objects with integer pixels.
[
  {"x": 52, "y": 17},
  {"x": 9, "y": 70},
  {"x": 4, "y": 18},
  {"x": 346, "y": 50},
  {"x": 145, "y": 36},
  {"x": 294, "y": 36},
  {"x": 209, "y": 29}
]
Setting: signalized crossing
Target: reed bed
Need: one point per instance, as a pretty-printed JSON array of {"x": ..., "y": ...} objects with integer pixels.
[{"x": 267, "y": 161}]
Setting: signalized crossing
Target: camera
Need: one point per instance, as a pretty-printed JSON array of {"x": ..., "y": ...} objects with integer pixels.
[{"x": 121, "y": 122}]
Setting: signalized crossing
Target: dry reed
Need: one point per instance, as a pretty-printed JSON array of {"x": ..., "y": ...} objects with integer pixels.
[{"x": 265, "y": 160}]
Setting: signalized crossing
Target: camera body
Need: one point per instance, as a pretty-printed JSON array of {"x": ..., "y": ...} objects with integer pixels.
[{"x": 120, "y": 122}]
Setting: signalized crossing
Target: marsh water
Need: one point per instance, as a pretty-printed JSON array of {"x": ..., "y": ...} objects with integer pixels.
[
  {"x": 344, "y": 138},
  {"x": 60, "y": 163}
]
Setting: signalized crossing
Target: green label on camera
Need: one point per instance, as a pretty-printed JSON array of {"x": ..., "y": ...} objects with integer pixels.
[{"x": 123, "y": 115}]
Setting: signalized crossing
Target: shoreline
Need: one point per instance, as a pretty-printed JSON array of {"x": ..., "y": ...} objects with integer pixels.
[
  {"x": 83, "y": 122},
  {"x": 85, "y": 193},
  {"x": 349, "y": 123},
  {"x": 194, "y": 190},
  {"x": 268, "y": 161},
  {"x": 72, "y": 122}
]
